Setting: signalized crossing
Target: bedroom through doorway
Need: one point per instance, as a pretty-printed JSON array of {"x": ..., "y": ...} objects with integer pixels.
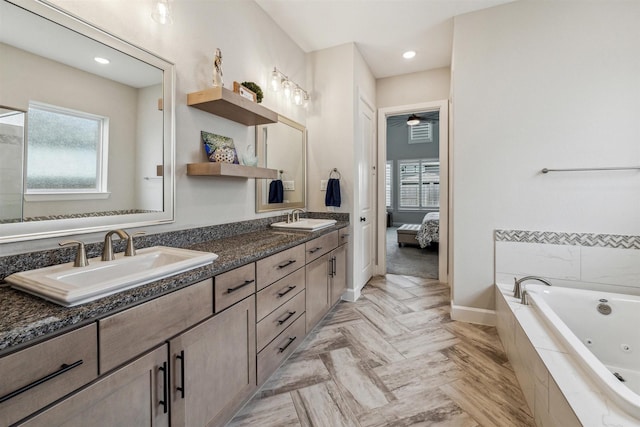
[{"x": 412, "y": 193}]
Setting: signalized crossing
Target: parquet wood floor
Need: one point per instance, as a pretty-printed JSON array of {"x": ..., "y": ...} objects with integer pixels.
[{"x": 393, "y": 358}]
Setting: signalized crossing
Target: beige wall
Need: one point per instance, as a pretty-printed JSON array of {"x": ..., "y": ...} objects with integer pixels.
[{"x": 406, "y": 89}]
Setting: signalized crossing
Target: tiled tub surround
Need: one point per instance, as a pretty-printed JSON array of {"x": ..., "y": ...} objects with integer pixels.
[
  {"x": 557, "y": 389},
  {"x": 26, "y": 318}
]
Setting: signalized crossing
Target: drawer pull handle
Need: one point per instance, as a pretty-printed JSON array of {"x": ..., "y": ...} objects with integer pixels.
[
  {"x": 246, "y": 282},
  {"x": 344, "y": 236},
  {"x": 64, "y": 368},
  {"x": 282, "y": 349},
  {"x": 291, "y": 313},
  {"x": 289, "y": 289},
  {"x": 164, "y": 402},
  {"x": 286, "y": 264},
  {"x": 314, "y": 250},
  {"x": 181, "y": 388}
]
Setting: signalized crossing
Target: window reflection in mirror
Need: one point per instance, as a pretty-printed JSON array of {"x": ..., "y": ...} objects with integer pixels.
[
  {"x": 97, "y": 138},
  {"x": 282, "y": 146}
]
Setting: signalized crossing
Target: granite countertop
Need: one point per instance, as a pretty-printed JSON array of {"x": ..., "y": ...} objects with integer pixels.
[{"x": 25, "y": 318}]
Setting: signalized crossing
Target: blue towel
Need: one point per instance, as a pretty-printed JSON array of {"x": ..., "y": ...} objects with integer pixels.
[
  {"x": 276, "y": 191},
  {"x": 332, "y": 198}
]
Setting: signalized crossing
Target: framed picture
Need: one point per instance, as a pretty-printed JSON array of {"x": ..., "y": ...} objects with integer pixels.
[{"x": 244, "y": 92}]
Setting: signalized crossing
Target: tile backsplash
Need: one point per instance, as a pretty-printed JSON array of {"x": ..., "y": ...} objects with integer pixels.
[{"x": 583, "y": 260}]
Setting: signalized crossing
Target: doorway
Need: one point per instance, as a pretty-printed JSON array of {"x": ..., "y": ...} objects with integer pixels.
[
  {"x": 412, "y": 193},
  {"x": 418, "y": 173}
]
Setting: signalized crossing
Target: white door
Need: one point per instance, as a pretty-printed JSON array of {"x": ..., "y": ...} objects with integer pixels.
[{"x": 365, "y": 221}]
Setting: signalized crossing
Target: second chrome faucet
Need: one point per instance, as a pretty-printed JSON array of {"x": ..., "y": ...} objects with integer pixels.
[{"x": 107, "y": 250}]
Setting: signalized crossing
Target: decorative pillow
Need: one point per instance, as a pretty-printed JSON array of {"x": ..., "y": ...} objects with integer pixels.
[{"x": 219, "y": 148}]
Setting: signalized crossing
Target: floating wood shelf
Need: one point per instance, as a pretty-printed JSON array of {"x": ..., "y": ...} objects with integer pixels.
[
  {"x": 225, "y": 103},
  {"x": 229, "y": 169}
]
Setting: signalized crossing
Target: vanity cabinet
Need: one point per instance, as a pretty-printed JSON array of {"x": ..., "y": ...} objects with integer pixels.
[
  {"x": 213, "y": 367},
  {"x": 134, "y": 395},
  {"x": 124, "y": 335},
  {"x": 39, "y": 375},
  {"x": 338, "y": 273},
  {"x": 188, "y": 358},
  {"x": 280, "y": 308},
  {"x": 326, "y": 275}
]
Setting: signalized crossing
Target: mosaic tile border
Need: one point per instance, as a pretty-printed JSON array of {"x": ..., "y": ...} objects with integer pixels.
[{"x": 620, "y": 241}]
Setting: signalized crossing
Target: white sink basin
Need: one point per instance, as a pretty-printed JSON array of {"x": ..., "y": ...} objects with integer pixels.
[
  {"x": 67, "y": 285},
  {"x": 305, "y": 224}
]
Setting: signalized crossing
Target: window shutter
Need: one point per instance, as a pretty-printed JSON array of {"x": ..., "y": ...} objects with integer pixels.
[{"x": 388, "y": 179}]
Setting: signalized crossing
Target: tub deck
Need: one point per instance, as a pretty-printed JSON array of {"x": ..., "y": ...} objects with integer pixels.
[{"x": 557, "y": 390}]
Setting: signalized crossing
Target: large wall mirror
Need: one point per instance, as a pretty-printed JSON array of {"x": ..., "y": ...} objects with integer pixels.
[
  {"x": 282, "y": 146},
  {"x": 86, "y": 127}
]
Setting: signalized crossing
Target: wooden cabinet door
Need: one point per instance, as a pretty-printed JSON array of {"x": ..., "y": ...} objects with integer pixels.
[
  {"x": 339, "y": 277},
  {"x": 318, "y": 295},
  {"x": 214, "y": 367},
  {"x": 134, "y": 395}
]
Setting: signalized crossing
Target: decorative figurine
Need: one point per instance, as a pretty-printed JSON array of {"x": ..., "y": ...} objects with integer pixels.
[{"x": 217, "y": 69}]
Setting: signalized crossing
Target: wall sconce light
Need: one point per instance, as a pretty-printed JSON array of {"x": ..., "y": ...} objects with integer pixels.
[
  {"x": 162, "y": 12},
  {"x": 291, "y": 89}
]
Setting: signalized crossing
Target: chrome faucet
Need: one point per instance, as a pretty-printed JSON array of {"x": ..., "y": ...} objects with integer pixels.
[
  {"x": 520, "y": 292},
  {"x": 81, "y": 255},
  {"x": 107, "y": 250},
  {"x": 295, "y": 214},
  {"x": 131, "y": 250}
]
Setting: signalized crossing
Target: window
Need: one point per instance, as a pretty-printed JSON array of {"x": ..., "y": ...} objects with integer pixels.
[
  {"x": 419, "y": 184},
  {"x": 81, "y": 139},
  {"x": 388, "y": 182},
  {"x": 421, "y": 133}
]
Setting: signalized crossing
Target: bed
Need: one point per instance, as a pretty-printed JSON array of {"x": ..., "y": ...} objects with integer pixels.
[{"x": 429, "y": 229}]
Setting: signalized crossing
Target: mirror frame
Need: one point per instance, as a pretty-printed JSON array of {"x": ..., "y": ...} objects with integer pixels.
[
  {"x": 15, "y": 232},
  {"x": 260, "y": 183}
]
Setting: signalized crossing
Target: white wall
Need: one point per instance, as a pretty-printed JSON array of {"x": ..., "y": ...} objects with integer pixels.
[
  {"x": 431, "y": 85},
  {"x": 331, "y": 74},
  {"x": 251, "y": 43},
  {"x": 337, "y": 76},
  {"x": 542, "y": 84}
]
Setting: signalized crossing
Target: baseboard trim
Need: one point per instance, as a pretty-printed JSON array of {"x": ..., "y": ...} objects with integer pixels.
[
  {"x": 351, "y": 295},
  {"x": 480, "y": 316}
]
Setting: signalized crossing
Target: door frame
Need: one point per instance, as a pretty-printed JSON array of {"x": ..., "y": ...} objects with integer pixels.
[{"x": 444, "y": 248}]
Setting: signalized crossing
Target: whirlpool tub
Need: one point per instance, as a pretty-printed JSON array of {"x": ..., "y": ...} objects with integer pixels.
[{"x": 602, "y": 332}]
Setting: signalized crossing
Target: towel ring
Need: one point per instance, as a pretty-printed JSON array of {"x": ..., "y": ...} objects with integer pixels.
[{"x": 334, "y": 170}]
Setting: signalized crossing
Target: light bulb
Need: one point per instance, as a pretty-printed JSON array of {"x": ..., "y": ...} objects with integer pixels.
[
  {"x": 287, "y": 89},
  {"x": 275, "y": 80},
  {"x": 162, "y": 12},
  {"x": 297, "y": 96}
]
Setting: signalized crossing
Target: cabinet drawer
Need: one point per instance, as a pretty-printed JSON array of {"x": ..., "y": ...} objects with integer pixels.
[
  {"x": 138, "y": 329},
  {"x": 69, "y": 361},
  {"x": 272, "y": 325},
  {"x": 279, "y": 349},
  {"x": 279, "y": 265},
  {"x": 321, "y": 245},
  {"x": 343, "y": 236},
  {"x": 233, "y": 286},
  {"x": 279, "y": 292}
]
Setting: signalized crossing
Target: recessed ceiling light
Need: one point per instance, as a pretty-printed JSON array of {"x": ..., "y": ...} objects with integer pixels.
[
  {"x": 409, "y": 54},
  {"x": 103, "y": 61}
]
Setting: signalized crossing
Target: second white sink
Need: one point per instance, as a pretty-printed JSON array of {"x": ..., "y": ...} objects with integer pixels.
[
  {"x": 305, "y": 224},
  {"x": 67, "y": 285}
]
